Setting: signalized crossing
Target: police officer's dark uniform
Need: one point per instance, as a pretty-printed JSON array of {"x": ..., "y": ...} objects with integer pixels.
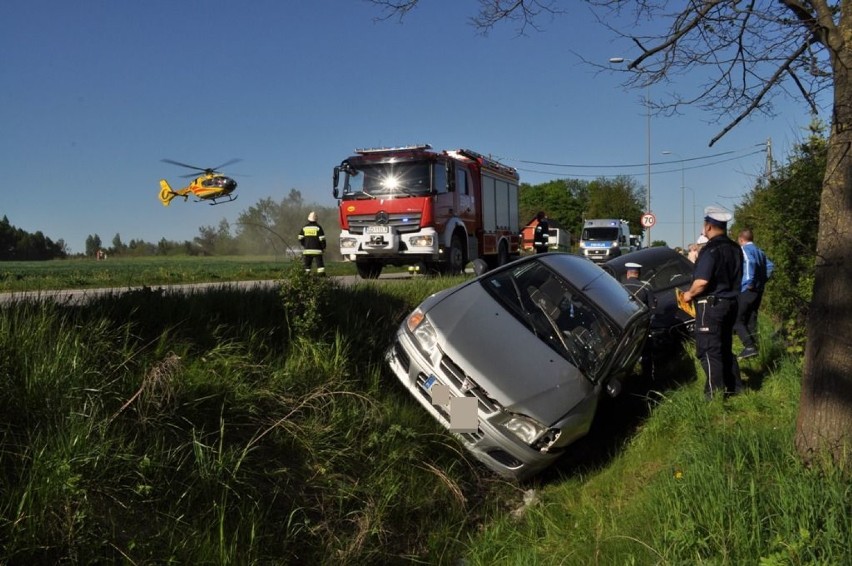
[
  {"x": 636, "y": 286},
  {"x": 639, "y": 290},
  {"x": 312, "y": 239},
  {"x": 715, "y": 287},
  {"x": 541, "y": 236}
]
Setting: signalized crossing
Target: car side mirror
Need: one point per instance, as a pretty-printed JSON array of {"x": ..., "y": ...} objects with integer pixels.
[{"x": 480, "y": 266}]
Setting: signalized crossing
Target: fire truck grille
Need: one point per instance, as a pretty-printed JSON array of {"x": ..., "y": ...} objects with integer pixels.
[{"x": 400, "y": 222}]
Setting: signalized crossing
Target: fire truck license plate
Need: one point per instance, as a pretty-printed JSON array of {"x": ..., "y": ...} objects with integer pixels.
[{"x": 378, "y": 229}]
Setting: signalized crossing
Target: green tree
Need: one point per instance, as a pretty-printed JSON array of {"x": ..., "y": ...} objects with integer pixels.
[
  {"x": 618, "y": 197},
  {"x": 560, "y": 199},
  {"x": 93, "y": 244},
  {"x": 784, "y": 215},
  {"x": 118, "y": 247}
]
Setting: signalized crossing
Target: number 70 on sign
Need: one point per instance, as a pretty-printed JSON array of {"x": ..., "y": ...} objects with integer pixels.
[{"x": 648, "y": 219}]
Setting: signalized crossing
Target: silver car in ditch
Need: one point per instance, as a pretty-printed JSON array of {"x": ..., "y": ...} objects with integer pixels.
[{"x": 515, "y": 360}]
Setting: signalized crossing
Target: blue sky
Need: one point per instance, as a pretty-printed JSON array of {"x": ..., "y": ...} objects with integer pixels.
[{"x": 95, "y": 93}]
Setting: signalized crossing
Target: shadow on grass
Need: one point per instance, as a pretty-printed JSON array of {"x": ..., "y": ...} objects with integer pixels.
[{"x": 618, "y": 418}]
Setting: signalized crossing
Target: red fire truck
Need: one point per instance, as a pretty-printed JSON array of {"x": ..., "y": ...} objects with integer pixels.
[{"x": 433, "y": 210}]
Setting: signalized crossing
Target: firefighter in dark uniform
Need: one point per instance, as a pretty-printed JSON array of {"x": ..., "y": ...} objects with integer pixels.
[
  {"x": 541, "y": 236},
  {"x": 715, "y": 287},
  {"x": 312, "y": 239}
]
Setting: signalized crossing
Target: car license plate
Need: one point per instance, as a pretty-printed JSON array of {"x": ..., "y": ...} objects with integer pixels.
[
  {"x": 378, "y": 229},
  {"x": 427, "y": 385}
]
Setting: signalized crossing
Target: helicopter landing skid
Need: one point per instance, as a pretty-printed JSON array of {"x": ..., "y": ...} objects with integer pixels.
[{"x": 214, "y": 202}]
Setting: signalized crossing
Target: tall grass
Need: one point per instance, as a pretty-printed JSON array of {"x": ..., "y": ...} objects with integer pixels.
[
  {"x": 698, "y": 483},
  {"x": 262, "y": 426},
  {"x": 219, "y": 428}
]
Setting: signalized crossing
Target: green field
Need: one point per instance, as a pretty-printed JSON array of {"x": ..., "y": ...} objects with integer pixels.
[{"x": 128, "y": 272}]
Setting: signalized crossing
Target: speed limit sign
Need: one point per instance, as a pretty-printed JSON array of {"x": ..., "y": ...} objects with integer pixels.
[{"x": 648, "y": 219}]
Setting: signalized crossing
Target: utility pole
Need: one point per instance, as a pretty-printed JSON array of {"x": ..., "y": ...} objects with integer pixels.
[{"x": 768, "y": 159}]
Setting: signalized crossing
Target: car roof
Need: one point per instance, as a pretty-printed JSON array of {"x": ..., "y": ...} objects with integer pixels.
[{"x": 646, "y": 257}]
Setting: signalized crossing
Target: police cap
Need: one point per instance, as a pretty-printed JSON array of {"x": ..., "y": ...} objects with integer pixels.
[{"x": 717, "y": 216}]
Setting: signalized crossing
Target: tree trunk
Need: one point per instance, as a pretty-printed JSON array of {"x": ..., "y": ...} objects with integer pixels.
[{"x": 824, "y": 426}]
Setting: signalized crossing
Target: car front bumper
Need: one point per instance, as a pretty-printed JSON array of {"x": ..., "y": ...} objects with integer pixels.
[{"x": 492, "y": 444}]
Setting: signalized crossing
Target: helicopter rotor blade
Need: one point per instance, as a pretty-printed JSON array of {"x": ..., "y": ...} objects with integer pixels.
[
  {"x": 231, "y": 162},
  {"x": 173, "y": 162}
]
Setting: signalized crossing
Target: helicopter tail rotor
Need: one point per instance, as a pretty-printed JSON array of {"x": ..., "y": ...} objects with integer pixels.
[{"x": 166, "y": 193}]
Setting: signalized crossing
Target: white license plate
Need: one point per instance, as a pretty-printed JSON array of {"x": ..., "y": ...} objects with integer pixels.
[{"x": 378, "y": 229}]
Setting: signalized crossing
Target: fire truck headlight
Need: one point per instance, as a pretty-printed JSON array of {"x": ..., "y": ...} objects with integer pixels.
[
  {"x": 348, "y": 242},
  {"x": 421, "y": 241},
  {"x": 390, "y": 182}
]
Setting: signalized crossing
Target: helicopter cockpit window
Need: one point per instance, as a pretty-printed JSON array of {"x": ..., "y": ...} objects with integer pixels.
[{"x": 390, "y": 179}]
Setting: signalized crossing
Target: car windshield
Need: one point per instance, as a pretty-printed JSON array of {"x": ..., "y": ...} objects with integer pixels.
[
  {"x": 557, "y": 314},
  {"x": 605, "y": 233},
  {"x": 389, "y": 179}
]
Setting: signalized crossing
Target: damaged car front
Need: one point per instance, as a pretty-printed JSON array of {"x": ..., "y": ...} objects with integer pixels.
[{"x": 514, "y": 361}]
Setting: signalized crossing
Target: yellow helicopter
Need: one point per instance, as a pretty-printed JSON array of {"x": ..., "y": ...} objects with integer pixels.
[{"x": 211, "y": 185}]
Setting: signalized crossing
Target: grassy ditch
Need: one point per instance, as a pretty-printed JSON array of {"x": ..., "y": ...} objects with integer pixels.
[
  {"x": 224, "y": 427},
  {"x": 240, "y": 427}
]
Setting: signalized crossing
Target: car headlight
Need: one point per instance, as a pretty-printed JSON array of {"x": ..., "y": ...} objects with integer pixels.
[
  {"x": 524, "y": 428},
  {"x": 423, "y": 332},
  {"x": 420, "y": 241},
  {"x": 348, "y": 242}
]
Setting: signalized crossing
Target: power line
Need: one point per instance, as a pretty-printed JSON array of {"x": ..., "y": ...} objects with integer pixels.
[{"x": 689, "y": 168}]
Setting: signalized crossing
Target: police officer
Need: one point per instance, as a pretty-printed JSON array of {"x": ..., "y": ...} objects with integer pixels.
[
  {"x": 541, "y": 236},
  {"x": 715, "y": 287},
  {"x": 312, "y": 239},
  {"x": 639, "y": 289},
  {"x": 635, "y": 285}
]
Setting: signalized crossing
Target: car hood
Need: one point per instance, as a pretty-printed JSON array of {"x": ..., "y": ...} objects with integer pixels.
[{"x": 503, "y": 357}]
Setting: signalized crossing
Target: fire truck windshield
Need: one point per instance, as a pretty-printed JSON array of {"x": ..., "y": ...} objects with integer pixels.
[{"x": 389, "y": 179}]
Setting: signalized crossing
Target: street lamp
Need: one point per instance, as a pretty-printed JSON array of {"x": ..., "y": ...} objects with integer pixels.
[
  {"x": 682, "y": 190},
  {"x": 648, "y": 131}
]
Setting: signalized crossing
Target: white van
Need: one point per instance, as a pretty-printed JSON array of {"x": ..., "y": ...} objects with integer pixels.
[{"x": 604, "y": 238}]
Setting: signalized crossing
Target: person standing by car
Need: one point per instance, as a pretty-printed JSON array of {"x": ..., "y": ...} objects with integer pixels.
[
  {"x": 639, "y": 290},
  {"x": 312, "y": 240},
  {"x": 635, "y": 285},
  {"x": 757, "y": 269},
  {"x": 715, "y": 287},
  {"x": 541, "y": 236}
]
